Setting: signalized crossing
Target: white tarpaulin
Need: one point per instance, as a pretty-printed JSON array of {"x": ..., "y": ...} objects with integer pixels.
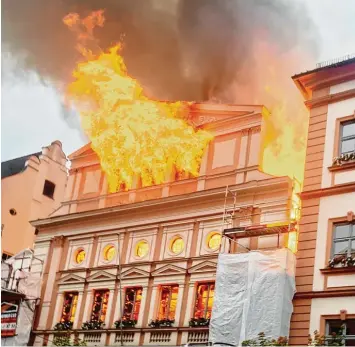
[{"x": 253, "y": 294}]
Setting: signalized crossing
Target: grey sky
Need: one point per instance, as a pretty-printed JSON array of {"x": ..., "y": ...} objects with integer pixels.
[{"x": 32, "y": 116}]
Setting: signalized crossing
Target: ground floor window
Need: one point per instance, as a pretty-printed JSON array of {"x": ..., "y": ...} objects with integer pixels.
[
  {"x": 333, "y": 327},
  {"x": 132, "y": 304},
  {"x": 167, "y": 302},
  {"x": 204, "y": 300},
  {"x": 69, "y": 307},
  {"x": 99, "y": 307}
]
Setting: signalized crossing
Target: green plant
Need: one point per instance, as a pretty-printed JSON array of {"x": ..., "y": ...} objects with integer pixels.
[
  {"x": 261, "y": 340},
  {"x": 199, "y": 322},
  {"x": 93, "y": 325},
  {"x": 335, "y": 339},
  {"x": 65, "y": 325},
  {"x": 125, "y": 323},
  {"x": 65, "y": 340},
  {"x": 161, "y": 323}
]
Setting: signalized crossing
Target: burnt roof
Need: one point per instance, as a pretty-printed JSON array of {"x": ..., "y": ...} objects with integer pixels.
[
  {"x": 325, "y": 66},
  {"x": 15, "y": 166}
]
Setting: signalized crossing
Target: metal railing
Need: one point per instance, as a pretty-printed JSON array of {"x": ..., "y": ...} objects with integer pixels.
[{"x": 335, "y": 61}]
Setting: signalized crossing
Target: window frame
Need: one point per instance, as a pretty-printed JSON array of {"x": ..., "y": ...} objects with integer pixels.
[
  {"x": 70, "y": 314},
  {"x": 131, "y": 315},
  {"x": 51, "y": 185},
  {"x": 327, "y": 326},
  {"x": 105, "y": 291},
  {"x": 209, "y": 283},
  {"x": 346, "y": 138},
  {"x": 171, "y": 286},
  {"x": 350, "y": 238}
]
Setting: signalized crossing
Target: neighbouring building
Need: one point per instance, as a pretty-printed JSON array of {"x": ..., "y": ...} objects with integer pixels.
[
  {"x": 325, "y": 274},
  {"x": 147, "y": 257},
  {"x": 32, "y": 187}
]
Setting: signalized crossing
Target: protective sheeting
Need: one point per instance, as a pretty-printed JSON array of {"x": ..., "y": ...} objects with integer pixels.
[{"x": 253, "y": 294}]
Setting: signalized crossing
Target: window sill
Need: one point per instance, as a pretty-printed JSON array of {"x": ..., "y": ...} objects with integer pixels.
[
  {"x": 338, "y": 270},
  {"x": 345, "y": 166}
]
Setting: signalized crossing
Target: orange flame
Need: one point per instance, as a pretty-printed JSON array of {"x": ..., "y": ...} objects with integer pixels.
[{"x": 134, "y": 136}]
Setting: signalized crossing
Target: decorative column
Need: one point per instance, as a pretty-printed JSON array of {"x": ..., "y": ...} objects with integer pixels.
[
  {"x": 58, "y": 309},
  {"x": 88, "y": 305},
  {"x": 189, "y": 304},
  {"x": 77, "y": 312}
]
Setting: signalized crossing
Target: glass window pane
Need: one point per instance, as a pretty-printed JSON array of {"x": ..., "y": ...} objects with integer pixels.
[
  {"x": 348, "y": 129},
  {"x": 210, "y": 302},
  {"x": 348, "y": 146},
  {"x": 342, "y": 231},
  {"x": 173, "y": 302},
  {"x": 164, "y": 302},
  {"x": 350, "y": 327},
  {"x": 352, "y": 251},
  {"x": 341, "y": 247},
  {"x": 137, "y": 304}
]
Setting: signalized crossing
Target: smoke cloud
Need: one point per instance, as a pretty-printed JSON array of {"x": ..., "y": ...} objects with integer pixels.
[{"x": 178, "y": 49}]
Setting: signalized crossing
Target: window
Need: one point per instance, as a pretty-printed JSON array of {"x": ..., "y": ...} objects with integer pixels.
[
  {"x": 204, "y": 300},
  {"x": 48, "y": 189},
  {"x": 142, "y": 249},
  {"x": 109, "y": 253},
  {"x": 69, "y": 307},
  {"x": 132, "y": 304},
  {"x": 167, "y": 302},
  {"x": 79, "y": 256},
  {"x": 344, "y": 239},
  {"x": 177, "y": 245},
  {"x": 99, "y": 307},
  {"x": 333, "y": 326},
  {"x": 347, "y": 137},
  {"x": 214, "y": 240}
]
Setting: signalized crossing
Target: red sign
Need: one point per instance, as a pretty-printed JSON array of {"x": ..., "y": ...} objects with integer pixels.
[{"x": 8, "y": 319}]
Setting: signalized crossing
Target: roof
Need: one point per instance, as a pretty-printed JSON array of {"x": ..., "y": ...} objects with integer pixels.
[
  {"x": 15, "y": 166},
  {"x": 328, "y": 65}
]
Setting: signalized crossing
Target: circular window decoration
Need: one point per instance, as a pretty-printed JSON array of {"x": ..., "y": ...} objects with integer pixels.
[
  {"x": 109, "y": 253},
  {"x": 214, "y": 240},
  {"x": 80, "y": 256},
  {"x": 177, "y": 245},
  {"x": 142, "y": 249}
]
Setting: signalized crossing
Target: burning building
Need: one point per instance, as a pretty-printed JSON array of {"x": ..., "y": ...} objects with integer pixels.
[{"x": 146, "y": 257}]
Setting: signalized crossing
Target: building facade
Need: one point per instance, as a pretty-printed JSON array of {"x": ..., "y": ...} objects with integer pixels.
[
  {"x": 325, "y": 275},
  {"x": 118, "y": 267},
  {"x": 32, "y": 187}
]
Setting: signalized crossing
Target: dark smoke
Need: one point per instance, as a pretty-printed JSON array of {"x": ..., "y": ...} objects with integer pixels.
[{"x": 178, "y": 49}]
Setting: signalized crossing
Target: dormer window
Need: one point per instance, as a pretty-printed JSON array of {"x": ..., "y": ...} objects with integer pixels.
[{"x": 48, "y": 189}]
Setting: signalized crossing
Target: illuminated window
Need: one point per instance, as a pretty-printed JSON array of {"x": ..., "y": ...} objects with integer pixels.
[
  {"x": 109, "y": 253},
  {"x": 99, "y": 307},
  {"x": 80, "y": 256},
  {"x": 204, "y": 300},
  {"x": 177, "y": 245},
  {"x": 69, "y": 307},
  {"x": 142, "y": 249},
  {"x": 214, "y": 240},
  {"x": 167, "y": 303},
  {"x": 132, "y": 305}
]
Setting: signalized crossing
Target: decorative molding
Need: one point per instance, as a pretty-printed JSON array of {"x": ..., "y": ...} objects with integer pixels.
[
  {"x": 58, "y": 241},
  {"x": 255, "y": 130},
  {"x": 335, "y": 190},
  {"x": 71, "y": 279},
  {"x": 205, "y": 266},
  {"x": 134, "y": 273},
  {"x": 101, "y": 276},
  {"x": 169, "y": 270},
  {"x": 329, "y": 99},
  {"x": 245, "y": 132},
  {"x": 325, "y": 294}
]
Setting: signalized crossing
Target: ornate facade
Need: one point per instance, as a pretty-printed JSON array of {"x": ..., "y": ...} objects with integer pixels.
[{"x": 138, "y": 266}]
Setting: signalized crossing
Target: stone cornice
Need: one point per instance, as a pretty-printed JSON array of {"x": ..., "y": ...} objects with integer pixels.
[
  {"x": 192, "y": 198},
  {"x": 331, "y": 98},
  {"x": 335, "y": 190}
]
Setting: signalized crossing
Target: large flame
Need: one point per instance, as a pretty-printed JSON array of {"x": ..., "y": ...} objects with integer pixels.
[{"x": 133, "y": 135}]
